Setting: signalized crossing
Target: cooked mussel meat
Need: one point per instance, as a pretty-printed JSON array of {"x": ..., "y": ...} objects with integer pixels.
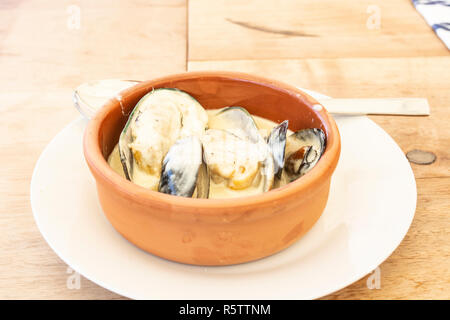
[
  {"x": 236, "y": 152},
  {"x": 159, "y": 119},
  {"x": 304, "y": 149}
]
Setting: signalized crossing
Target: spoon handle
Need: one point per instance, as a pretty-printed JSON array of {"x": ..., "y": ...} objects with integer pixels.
[{"x": 388, "y": 106}]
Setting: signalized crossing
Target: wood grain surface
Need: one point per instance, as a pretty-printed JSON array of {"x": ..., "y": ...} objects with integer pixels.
[
  {"x": 334, "y": 47},
  {"x": 42, "y": 59},
  {"x": 284, "y": 29}
]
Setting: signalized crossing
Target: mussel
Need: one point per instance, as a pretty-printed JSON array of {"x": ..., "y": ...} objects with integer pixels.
[
  {"x": 236, "y": 152},
  {"x": 303, "y": 150},
  {"x": 158, "y": 120},
  {"x": 183, "y": 170},
  {"x": 238, "y": 121},
  {"x": 277, "y": 145}
]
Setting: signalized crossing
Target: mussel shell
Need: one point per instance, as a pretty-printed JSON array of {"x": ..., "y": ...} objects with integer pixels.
[
  {"x": 125, "y": 139},
  {"x": 277, "y": 145},
  {"x": 314, "y": 137},
  {"x": 297, "y": 160},
  {"x": 203, "y": 181},
  {"x": 180, "y": 170},
  {"x": 309, "y": 146},
  {"x": 238, "y": 121},
  {"x": 126, "y": 155}
]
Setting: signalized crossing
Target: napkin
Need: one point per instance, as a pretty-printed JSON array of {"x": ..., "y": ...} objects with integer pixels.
[{"x": 437, "y": 14}]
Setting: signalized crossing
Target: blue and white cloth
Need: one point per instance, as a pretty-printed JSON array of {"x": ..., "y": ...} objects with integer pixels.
[{"x": 437, "y": 14}]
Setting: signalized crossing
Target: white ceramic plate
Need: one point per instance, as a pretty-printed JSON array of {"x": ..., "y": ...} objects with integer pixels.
[{"x": 370, "y": 208}]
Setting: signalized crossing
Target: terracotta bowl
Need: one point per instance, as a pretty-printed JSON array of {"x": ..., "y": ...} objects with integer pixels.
[{"x": 214, "y": 231}]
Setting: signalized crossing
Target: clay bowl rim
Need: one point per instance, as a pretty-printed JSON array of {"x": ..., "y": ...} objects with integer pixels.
[{"x": 323, "y": 169}]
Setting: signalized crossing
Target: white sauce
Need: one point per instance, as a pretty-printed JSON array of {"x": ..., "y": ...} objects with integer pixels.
[{"x": 232, "y": 158}]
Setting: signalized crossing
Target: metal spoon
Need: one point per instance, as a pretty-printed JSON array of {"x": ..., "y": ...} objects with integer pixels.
[{"x": 91, "y": 96}]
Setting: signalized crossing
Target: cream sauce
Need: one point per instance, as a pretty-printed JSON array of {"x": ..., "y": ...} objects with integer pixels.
[{"x": 220, "y": 188}]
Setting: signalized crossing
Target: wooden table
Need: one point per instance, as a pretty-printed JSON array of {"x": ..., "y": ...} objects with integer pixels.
[{"x": 339, "y": 48}]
